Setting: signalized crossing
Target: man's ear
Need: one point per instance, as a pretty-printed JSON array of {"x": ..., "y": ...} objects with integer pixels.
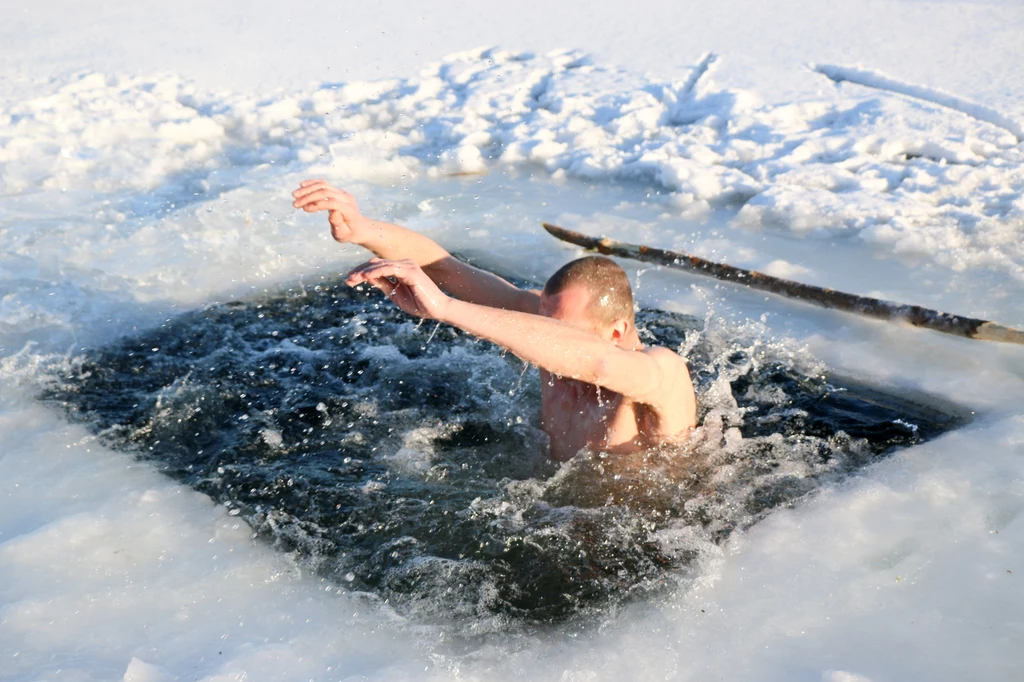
[{"x": 619, "y": 330}]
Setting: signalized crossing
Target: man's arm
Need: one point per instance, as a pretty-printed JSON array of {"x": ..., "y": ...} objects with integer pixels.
[
  {"x": 562, "y": 349},
  {"x": 552, "y": 345},
  {"x": 393, "y": 242}
]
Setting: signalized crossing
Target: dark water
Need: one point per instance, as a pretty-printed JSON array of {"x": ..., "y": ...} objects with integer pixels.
[{"x": 404, "y": 460}]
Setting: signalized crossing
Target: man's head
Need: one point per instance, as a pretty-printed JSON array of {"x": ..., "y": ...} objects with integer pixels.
[{"x": 592, "y": 293}]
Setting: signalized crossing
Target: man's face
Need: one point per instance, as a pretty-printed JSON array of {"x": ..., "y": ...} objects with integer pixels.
[{"x": 570, "y": 306}]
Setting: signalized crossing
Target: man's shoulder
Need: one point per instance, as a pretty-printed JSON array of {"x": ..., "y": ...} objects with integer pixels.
[
  {"x": 675, "y": 400},
  {"x": 672, "y": 365},
  {"x": 663, "y": 355}
]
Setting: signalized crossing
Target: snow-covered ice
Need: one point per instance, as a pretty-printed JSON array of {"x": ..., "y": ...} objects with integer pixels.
[{"x": 146, "y": 157}]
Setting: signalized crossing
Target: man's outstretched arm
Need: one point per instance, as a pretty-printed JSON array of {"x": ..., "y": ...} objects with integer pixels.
[
  {"x": 562, "y": 349},
  {"x": 394, "y": 242},
  {"x": 552, "y": 345}
]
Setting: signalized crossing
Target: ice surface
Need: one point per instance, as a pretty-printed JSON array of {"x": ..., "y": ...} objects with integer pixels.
[{"x": 145, "y": 160}]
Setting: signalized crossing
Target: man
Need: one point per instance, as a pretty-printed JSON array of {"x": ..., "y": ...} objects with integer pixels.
[{"x": 600, "y": 387}]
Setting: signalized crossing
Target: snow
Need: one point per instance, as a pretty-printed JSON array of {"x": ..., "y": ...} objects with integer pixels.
[
  {"x": 904, "y": 176},
  {"x": 146, "y": 155},
  {"x": 969, "y": 48},
  {"x": 874, "y": 79},
  {"x": 111, "y": 569}
]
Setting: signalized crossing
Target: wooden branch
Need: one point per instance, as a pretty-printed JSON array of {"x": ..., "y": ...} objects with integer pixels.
[{"x": 967, "y": 327}]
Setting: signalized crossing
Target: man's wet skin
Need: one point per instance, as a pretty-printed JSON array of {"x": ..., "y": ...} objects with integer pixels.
[
  {"x": 601, "y": 388},
  {"x": 576, "y": 414}
]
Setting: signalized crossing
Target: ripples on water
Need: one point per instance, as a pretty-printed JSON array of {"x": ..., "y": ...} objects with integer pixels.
[{"x": 403, "y": 460}]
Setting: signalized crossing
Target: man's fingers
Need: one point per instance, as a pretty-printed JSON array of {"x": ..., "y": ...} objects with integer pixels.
[
  {"x": 376, "y": 269},
  {"x": 340, "y": 198},
  {"x": 370, "y": 270},
  {"x": 319, "y": 202},
  {"x": 388, "y": 285},
  {"x": 322, "y": 205},
  {"x": 385, "y": 284},
  {"x": 401, "y": 293},
  {"x": 308, "y": 186},
  {"x": 401, "y": 281},
  {"x": 312, "y": 186},
  {"x": 315, "y": 194}
]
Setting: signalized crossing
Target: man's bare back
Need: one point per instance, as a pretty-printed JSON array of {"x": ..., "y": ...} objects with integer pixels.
[{"x": 601, "y": 388}]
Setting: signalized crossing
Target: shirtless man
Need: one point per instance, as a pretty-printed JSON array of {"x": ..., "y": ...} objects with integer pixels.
[{"x": 600, "y": 387}]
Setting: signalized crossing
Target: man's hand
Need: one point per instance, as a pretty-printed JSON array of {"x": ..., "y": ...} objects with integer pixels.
[
  {"x": 347, "y": 223},
  {"x": 405, "y": 283},
  {"x": 396, "y": 244}
]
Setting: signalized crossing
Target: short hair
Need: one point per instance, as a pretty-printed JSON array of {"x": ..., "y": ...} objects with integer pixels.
[{"x": 611, "y": 297}]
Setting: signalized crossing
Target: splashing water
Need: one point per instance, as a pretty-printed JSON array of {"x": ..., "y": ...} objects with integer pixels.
[{"x": 406, "y": 462}]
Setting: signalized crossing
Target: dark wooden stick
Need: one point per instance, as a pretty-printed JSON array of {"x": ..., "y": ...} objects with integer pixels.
[{"x": 967, "y": 327}]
